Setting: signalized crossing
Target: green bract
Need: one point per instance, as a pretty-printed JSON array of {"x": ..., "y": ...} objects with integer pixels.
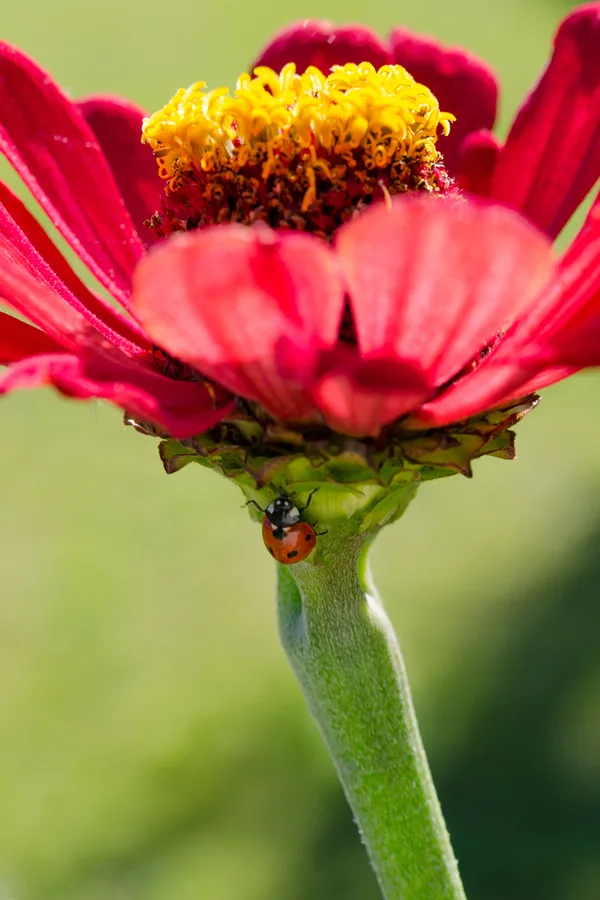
[{"x": 366, "y": 483}]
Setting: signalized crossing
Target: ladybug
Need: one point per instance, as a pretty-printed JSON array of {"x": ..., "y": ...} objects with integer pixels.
[{"x": 286, "y": 537}]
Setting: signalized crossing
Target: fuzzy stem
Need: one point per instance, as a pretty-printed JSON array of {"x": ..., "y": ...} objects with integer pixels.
[{"x": 345, "y": 655}]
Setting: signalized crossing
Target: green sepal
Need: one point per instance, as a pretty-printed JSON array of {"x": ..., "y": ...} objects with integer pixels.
[
  {"x": 280, "y": 458},
  {"x": 174, "y": 456},
  {"x": 365, "y": 482}
]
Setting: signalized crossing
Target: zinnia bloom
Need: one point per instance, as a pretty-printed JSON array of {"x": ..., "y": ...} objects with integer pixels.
[{"x": 299, "y": 274}]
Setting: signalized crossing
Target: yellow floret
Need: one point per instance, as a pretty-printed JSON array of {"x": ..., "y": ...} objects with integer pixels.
[{"x": 385, "y": 112}]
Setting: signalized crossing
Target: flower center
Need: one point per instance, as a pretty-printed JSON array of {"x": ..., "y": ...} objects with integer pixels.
[{"x": 296, "y": 151}]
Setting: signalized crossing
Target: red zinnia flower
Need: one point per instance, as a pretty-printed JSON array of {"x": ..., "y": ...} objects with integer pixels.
[{"x": 316, "y": 321}]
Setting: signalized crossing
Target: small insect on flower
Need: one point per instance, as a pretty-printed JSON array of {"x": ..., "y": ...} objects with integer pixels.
[{"x": 287, "y": 538}]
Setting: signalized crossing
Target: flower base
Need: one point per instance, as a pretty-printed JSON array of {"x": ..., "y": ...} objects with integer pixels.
[{"x": 262, "y": 456}]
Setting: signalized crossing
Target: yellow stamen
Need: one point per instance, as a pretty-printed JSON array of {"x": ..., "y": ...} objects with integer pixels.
[{"x": 384, "y": 113}]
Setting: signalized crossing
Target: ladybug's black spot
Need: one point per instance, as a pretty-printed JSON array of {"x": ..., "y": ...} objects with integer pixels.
[
  {"x": 292, "y": 554},
  {"x": 271, "y": 551},
  {"x": 308, "y": 537}
]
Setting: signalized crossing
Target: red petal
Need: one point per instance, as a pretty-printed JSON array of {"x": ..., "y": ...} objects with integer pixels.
[
  {"x": 321, "y": 44},
  {"x": 117, "y": 124},
  {"x": 183, "y": 408},
  {"x": 563, "y": 325},
  {"x": 40, "y": 303},
  {"x": 431, "y": 282},
  {"x": 359, "y": 396},
  {"x": 463, "y": 84},
  {"x": 224, "y": 298},
  {"x": 476, "y": 162},
  {"x": 46, "y": 308},
  {"x": 539, "y": 381},
  {"x": 18, "y": 339},
  {"x": 475, "y": 393},
  {"x": 552, "y": 155},
  {"x": 518, "y": 367},
  {"x": 576, "y": 343},
  {"x": 49, "y": 143},
  {"x": 493, "y": 384},
  {"x": 576, "y": 293},
  {"x": 558, "y": 334},
  {"x": 24, "y": 243}
]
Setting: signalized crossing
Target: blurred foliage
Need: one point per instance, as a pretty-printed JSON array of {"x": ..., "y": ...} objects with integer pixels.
[{"x": 154, "y": 744}]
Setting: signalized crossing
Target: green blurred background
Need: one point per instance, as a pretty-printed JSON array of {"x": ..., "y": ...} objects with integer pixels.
[{"x": 153, "y": 743}]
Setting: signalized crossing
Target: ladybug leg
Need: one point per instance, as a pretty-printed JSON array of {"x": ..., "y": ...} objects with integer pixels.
[
  {"x": 254, "y": 503},
  {"x": 304, "y": 508}
]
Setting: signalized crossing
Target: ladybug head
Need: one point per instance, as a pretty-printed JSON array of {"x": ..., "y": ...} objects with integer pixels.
[{"x": 282, "y": 513}]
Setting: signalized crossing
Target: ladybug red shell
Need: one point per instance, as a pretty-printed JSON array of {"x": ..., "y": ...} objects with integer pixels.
[
  {"x": 287, "y": 538},
  {"x": 288, "y": 545}
]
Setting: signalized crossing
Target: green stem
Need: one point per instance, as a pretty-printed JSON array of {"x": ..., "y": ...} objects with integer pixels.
[{"x": 345, "y": 655}]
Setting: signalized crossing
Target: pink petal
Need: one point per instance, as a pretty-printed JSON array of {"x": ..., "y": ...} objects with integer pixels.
[
  {"x": 359, "y": 396},
  {"x": 476, "y": 162},
  {"x": 463, "y": 84},
  {"x": 322, "y": 44},
  {"x": 183, "y": 408},
  {"x": 18, "y": 339},
  {"x": 25, "y": 244},
  {"x": 49, "y": 143},
  {"x": 552, "y": 155},
  {"x": 431, "y": 282},
  {"x": 117, "y": 124},
  {"x": 224, "y": 299}
]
